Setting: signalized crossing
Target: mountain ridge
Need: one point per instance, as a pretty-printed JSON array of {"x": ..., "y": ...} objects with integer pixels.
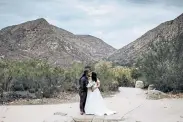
[
  {"x": 128, "y": 54},
  {"x": 40, "y": 40}
]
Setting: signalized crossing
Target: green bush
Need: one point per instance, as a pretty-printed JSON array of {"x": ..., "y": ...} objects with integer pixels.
[
  {"x": 135, "y": 74},
  {"x": 106, "y": 78},
  {"x": 123, "y": 76},
  {"x": 28, "y": 75},
  {"x": 112, "y": 76},
  {"x": 162, "y": 65},
  {"x": 35, "y": 76},
  {"x": 43, "y": 80}
]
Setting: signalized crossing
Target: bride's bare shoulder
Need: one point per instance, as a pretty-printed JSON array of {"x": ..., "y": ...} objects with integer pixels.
[{"x": 98, "y": 80}]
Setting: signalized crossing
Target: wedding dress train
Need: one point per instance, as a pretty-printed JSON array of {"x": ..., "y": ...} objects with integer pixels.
[{"x": 95, "y": 104}]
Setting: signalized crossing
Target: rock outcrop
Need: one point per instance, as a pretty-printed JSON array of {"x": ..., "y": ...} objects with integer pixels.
[
  {"x": 139, "y": 84},
  {"x": 155, "y": 95}
]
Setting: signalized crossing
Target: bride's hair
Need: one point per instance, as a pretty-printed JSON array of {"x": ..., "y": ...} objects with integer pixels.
[{"x": 94, "y": 76}]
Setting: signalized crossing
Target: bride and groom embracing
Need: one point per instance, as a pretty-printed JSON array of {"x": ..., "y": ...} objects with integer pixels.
[{"x": 91, "y": 100}]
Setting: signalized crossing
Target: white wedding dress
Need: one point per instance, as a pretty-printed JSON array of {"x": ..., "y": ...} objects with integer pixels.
[{"x": 95, "y": 104}]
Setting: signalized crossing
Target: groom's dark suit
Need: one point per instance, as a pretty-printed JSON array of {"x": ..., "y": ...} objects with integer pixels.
[{"x": 83, "y": 92}]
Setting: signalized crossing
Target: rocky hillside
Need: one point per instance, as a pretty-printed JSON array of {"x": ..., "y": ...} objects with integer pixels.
[
  {"x": 97, "y": 48},
  {"x": 130, "y": 53},
  {"x": 40, "y": 40}
]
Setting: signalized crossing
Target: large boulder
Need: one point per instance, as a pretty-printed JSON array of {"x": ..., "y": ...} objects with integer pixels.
[
  {"x": 139, "y": 84},
  {"x": 155, "y": 95},
  {"x": 151, "y": 87}
]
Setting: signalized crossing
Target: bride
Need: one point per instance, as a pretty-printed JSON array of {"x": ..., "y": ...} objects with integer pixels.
[{"x": 94, "y": 102}]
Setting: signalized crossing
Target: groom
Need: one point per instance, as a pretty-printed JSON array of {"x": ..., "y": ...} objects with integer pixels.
[{"x": 83, "y": 89}]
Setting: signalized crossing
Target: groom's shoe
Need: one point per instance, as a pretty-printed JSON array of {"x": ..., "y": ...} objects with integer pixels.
[{"x": 82, "y": 113}]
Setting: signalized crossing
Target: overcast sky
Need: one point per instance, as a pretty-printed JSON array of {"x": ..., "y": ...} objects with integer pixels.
[{"x": 117, "y": 22}]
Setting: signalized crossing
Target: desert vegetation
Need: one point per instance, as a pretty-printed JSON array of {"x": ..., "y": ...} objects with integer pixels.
[
  {"x": 162, "y": 65},
  {"x": 37, "y": 79}
]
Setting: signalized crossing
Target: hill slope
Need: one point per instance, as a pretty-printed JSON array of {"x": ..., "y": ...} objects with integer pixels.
[
  {"x": 129, "y": 53},
  {"x": 40, "y": 40}
]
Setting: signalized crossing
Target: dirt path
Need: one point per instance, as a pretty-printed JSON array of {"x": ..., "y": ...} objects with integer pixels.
[{"x": 130, "y": 104}]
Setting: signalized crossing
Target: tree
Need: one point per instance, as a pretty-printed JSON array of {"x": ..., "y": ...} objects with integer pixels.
[
  {"x": 162, "y": 64},
  {"x": 135, "y": 74}
]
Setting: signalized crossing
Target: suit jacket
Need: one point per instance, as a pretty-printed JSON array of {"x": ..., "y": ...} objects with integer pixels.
[{"x": 83, "y": 83}]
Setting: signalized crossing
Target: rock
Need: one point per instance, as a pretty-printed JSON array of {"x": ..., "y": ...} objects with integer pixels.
[
  {"x": 114, "y": 118},
  {"x": 98, "y": 119},
  {"x": 139, "y": 84},
  {"x": 60, "y": 113},
  {"x": 155, "y": 95},
  {"x": 57, "y": 118},
  {"x": 151, "y": 87},
  {"x": 85, "y": 118}
]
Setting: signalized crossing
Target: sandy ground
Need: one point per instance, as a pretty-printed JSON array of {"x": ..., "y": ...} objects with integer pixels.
[{"x": 130, "y": 104}]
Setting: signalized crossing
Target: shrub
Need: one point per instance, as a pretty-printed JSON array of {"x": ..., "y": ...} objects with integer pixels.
[
  {"x": 35, "y": 76},
  {"x": 28, "y": 75},
  {"x": 112, "y": 76},
  {"x": 123, "y": 76},
  {"x": 105, "y": 76},
  {"x": 135, "y": 74},
  {"x": 162, "y": 65},
  {"x": 43, "y": 80}
]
